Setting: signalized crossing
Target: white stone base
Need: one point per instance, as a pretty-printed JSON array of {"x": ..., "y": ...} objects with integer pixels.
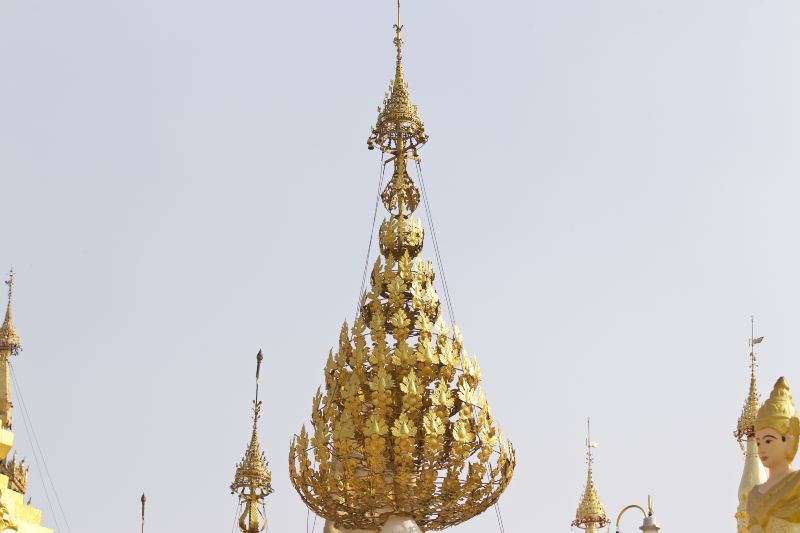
[
  {"x": 400, "y": 524},
  {"x": 395, "y": 524}
]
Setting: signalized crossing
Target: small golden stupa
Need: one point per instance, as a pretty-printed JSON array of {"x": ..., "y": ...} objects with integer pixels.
[
  {"x": 753, "y": 473},
  {"x": 590, "y": 515},
  {"x": 746, "y": 425},
  {"x": 14, "y": 513},
  {"x": 402, "y": 428},
  {"x": 253, "y": 480}
]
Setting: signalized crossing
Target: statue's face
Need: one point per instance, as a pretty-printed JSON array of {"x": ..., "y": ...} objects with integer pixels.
[{"x": 773, "y": 448}]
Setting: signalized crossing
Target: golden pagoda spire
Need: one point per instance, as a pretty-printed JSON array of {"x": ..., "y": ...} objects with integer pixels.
[
  {"x": 9, "y": 340},
  {"x": 590, "y": 515},
  {"x": 253, "y": 479},
  {"x": 399, "y": 128},
  {"x": 9, "y": 345},
  {"x": 402, "y": 428},
  {"x": 746, "y": 425},
  {"x": 753, "y": 472}
]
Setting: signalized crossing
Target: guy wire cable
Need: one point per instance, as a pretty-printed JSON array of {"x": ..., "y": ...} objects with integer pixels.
[
  {"x": 436, "y": 250},
  {"x": 371, "y": 232},
  {"x": 450, "y": 310},
  {"x": 236, "y": 515},
  {"x": 36, "y": 456}
]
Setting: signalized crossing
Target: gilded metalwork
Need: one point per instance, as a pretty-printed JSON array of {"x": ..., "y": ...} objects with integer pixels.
[
  {"x": 7, "y": 521},
  {"x": 14, "y": 514},
  {"x": 746, "y": 425},
  {"x": 590, "y": 515},
  {"x": 402, "y": 426},
  {"x": 398, "y": 119},
  {"x": 9, "y": 340},
  {"x": 17, "y": 473},
  {"x": 253, "y": 480}
]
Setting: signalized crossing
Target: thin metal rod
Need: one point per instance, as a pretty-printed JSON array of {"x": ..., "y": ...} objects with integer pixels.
[
  {"x": 144, "y": 501},
  {"x": 259, "y": 358}
]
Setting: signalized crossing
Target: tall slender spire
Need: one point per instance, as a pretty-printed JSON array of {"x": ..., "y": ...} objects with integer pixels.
[
  {"x": 9, "y": 345},
  {"x": 590, "y": 515},
  {"x": 745, "y": 426},
  {"x": 753, "y": 472},
  {"x": 9, "y": 340},
  {"x": 17, "y": 471},
  {"x": 402, "y": 430},
  {"x": 253, "y": 479}
]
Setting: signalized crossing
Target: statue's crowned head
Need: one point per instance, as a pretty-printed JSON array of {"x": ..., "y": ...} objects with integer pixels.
[{"x": 778, "y": 426}]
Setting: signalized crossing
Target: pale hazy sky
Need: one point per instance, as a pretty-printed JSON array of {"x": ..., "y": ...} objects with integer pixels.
[{"x": 615, "y": 187}]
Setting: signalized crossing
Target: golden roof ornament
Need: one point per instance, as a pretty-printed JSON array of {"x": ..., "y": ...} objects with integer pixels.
[
  {"x": 590, "y": 515},
  {"x": 9, "y": 340},
  {"x": 402, "y": 427},
  {"x": 398, "y": 118},
  {"x": 17, "y": 473},
  {"x": 746, "y": 425},
  {"x": 253, "y": 479}
]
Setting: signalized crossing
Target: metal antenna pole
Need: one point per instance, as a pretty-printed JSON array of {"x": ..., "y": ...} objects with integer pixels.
[{"x": 144, "y": 501}]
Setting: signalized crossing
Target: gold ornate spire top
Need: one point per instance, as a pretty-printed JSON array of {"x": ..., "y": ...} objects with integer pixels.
[
  {"x": 9, "y": 340},
  {"x": 402, "y": 426},
  {"x": 746, "y": 425},
  {"x": 590, "y": 515},
  {"x": 399, "y": 129},
  {"x": 253, "y": 479}
]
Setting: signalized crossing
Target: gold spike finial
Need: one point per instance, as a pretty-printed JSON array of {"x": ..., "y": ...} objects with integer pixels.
[
  {"x": 253, "y": 479},
  {"x": 746, "y": 425},
  {"x": 9, "y": 340},
  {"x": 399, "y": 129},
  {"x": 10, "y": 283},
  {"x": 590, "y": 515}
]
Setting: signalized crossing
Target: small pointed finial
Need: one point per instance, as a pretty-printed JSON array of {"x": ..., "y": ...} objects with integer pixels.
[
  {"x": 399, "y": 128},
  {"x": 252, "y": 481},
  {"x": 589, "y": 443},
  {"x": 10, "y": 283},
  {"x": 753, "y": 342},
  {"x": 144, "y": 501},
  {"x": 745, "y": 426},
  {"x": 591, "y": 514},
  {"x": 398, "y": 43},
  {"x": 9, "y": 340}
]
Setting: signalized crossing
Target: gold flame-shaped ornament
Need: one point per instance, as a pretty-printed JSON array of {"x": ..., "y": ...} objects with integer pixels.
[
  {"x": 253, "y": 480},
  {"x": 402, "y": 426}
]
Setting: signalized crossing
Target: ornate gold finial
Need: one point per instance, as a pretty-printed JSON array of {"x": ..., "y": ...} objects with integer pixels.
[
  {"x": 746, "y": 425},
  {"x": 253, "y": 479},
  {"x": 780, "y": 414},
  {"x": 402, "y": 427},
  {"x": 9, "y": 340},
  {"x": 17, "y": 473},
  {"x": 590, "y": 515},
  {"x": 399, "y": 129}
]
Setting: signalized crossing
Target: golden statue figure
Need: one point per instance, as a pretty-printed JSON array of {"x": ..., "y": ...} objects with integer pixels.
[{"x": 774, "y": 506}]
